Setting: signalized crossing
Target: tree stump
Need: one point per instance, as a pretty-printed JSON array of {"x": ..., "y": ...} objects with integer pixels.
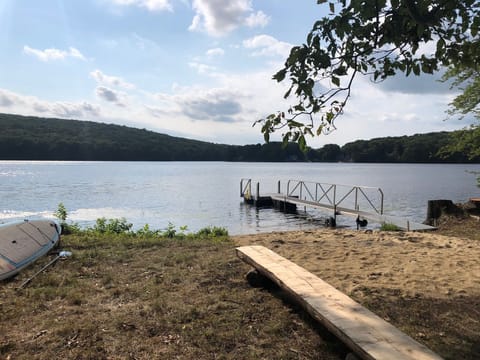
[{"x": 437, "y": 208}]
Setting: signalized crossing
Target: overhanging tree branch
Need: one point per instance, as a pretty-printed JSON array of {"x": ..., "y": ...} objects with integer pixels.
[{"x": 371, "y": 37}]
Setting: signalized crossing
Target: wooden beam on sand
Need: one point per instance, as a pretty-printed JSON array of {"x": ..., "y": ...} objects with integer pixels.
[{"x": 365, "y": 333}]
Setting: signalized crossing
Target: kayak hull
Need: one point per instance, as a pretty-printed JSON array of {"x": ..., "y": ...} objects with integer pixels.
[{"x": 24, "y": 242}]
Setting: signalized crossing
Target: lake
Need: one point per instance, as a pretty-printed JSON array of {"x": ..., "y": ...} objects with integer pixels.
[{"x": 199, "y": 194}]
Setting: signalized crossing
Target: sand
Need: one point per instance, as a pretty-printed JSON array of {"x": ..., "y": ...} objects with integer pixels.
[{"x": 405, "y": 264}]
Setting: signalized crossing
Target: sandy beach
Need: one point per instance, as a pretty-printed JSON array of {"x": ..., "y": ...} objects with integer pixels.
[{"x": 406, "y": 264}]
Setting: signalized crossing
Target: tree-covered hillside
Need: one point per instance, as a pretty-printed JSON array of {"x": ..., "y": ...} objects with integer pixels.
[
  {"x": 58, "y": 139},
  {"x": 33, "y": 138},
  {"x": 419, "y": 148}
]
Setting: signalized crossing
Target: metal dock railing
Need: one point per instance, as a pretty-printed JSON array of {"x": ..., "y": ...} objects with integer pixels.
[{"x": 362, "y": 202}]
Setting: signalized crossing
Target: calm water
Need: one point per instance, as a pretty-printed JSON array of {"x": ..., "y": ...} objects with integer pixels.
[{"x": 198, "y": 194}]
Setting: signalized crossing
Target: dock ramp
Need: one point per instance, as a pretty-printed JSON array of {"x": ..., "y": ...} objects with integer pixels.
[{"x": 365, "y": 333}]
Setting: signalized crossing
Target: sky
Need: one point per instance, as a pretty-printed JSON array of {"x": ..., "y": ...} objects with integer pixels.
[{"x": 200, "y": 69}]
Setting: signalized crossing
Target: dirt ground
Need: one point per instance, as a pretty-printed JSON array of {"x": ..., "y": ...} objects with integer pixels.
[
  {"x": 121, "y": 297},
  {"x": 427, "y": 284}
]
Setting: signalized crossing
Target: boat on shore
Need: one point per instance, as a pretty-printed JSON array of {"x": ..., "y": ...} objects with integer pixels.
[{"x": 23, "y": 242}]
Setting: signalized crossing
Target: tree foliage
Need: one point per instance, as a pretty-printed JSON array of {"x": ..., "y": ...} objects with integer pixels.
[
  {"x": 466, "y": 103},
  {"x": 30, "y": 138},
  {"x": 33, "y": 138},
  {"x": 468, "y": 80},
  {"x": 377, "y": 38}
]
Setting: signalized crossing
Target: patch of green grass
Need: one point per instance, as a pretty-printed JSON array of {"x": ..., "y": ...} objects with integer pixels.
[
  {"x": 389, "y": 227},
  {"x": 129, "y": 296}
]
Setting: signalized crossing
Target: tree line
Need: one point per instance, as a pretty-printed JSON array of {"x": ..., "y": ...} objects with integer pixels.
[{"x": 34, "y": 138}]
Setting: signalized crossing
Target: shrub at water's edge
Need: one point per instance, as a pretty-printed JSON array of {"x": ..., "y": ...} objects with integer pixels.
[{"x": 122, "y": 227}]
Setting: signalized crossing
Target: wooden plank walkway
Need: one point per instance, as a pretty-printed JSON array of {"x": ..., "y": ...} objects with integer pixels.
[
  {"x": 402, "y": 223},
  {"x": 369, "y": 336}
]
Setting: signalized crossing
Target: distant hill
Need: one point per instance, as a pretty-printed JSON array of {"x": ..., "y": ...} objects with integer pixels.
[
  {"x": 34, "y": 138},
  {"x": 419, "y": 148}
]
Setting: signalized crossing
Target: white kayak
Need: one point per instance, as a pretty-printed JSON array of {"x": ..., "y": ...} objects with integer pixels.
[{"x": 23, "y": 242}]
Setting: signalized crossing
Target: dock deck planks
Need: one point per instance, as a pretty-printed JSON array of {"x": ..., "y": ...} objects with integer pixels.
[
  {"x": 402, "y": 223},
  {"x": 368, "y": 335}
]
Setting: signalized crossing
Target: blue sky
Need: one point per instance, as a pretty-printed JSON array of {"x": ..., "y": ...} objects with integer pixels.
[{"x": 194, "y": 68}]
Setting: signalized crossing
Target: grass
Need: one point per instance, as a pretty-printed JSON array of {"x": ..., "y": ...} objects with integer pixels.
[
  {"x": 389, "y": 227},
  {"x": 146, "y": 296},
  {"x": 128, "y": 297}
]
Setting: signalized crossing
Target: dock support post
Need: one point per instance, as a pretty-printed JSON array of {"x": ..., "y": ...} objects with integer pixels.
[
  {"x": 356, "y": 198},
  {"x": 278, "y": 187},
  {"x": 258, "y": 190}
]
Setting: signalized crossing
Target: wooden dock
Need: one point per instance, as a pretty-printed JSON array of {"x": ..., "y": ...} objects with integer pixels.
[
  {"x": 366, "y": 334},
  {"x": 398, "y": 221}
]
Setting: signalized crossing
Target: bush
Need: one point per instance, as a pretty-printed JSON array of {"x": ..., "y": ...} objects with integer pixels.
[
  {"x": 62, "y": 214},
  {"x": 112, "y": 226},
  {"x": 147, "y": 232},
  {"x": 212, "y": 232},
  {"x": 121, "y": 226}
]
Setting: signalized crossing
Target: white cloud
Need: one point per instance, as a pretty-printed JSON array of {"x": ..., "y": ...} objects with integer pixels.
[
  {"x": 53, "y": 54},
  {"x": 219, "y": 17},
  {"x": 8, "y": 99},
  {"x": 104, "y": 79},
  {"x": 202, "y": 68},
  {"x": 221, "y": 105},
  {"x": 266, "y": 45},
  {"x": 68, "y": 109},
  {"x": 422, "y": 84},
  {"x": 258, "y": 19},
  {"x": 215, "y": 52},
  {"x": 151, "y": 5},
  {"x": 29, "y": 105},
  {"x": 110, "y": 95}
]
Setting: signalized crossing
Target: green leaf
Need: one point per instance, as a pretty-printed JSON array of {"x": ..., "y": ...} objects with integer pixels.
[
  {"x": 320, "y": 129},
  {"x": 332, "y": 7},
  {"x": 336, "y": 81},
  {"x": 299, "y": 107},
  {"x": 307, "y": 130},
  {"x": 330, "y": 115},
  {"x": 302, "y": 143},
  {"x": 266, "y": 136},
  {"x": 416, "y": 69},
  {"x": 292, "y": 124},
  {"x": 440, "y": 47},
  {"x": 279, "y": 76},
  {"x": 287, "y": 94}
]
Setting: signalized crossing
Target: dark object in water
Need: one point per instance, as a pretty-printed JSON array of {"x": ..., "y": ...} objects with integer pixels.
[
  {"x": 361, "y": 222},
  {"x": 331, "y": 222}
]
